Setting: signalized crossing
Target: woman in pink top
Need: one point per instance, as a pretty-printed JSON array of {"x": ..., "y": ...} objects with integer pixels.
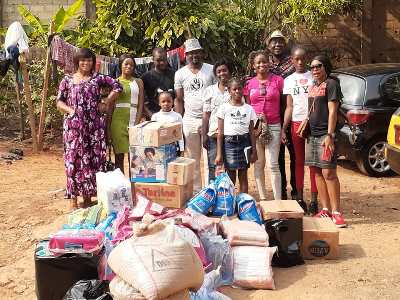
[{"x": 263, "y": 92}]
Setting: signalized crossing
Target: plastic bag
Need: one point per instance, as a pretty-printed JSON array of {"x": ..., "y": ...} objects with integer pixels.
[
  {"x": 204, "y": 199},
  {"x": 287, "y": 235},
  {"x": 219, "y": 253},
  {"x": 145, "y": 206},
  {"x": 208, "y": 290},
  {"x": 104, "y": 270},
  {"x": 113, "y": 190},
  {"x": 247, "y": 208},
  {"x": 225, "y": 202},
  {"x": 88, "y": 289},
  {"x": 89, "y": 216},
  {"x": 106, "y": 226},
  {"x": 252, "y": 267}
]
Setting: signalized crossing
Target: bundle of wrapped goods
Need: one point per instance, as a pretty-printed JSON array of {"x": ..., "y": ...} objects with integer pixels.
[
  {"x": 252, "y": 267},
  {"x": 284, "y": 225},
  {"x": 113, "y": 191},
  {"x": 158, "y": 264},
  {"x": 244, "y": 233}
]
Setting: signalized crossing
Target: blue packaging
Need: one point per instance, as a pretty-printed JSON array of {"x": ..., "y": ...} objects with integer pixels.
[
  {"x": 247, "y": 208},
  {"x": 107, "y": 226},
  {"x": 225, "y": 202},
  {"x": 204, "y": 199}
]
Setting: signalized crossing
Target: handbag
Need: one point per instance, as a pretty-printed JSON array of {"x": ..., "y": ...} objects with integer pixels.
[
  {"x": 304, "y": 129},
  {"x": 110, "y": 165}
]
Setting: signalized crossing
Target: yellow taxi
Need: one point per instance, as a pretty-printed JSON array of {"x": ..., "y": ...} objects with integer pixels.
[{"x": 392, "y": 150}]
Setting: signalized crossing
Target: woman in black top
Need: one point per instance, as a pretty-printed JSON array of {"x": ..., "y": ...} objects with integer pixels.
[{"x": 324, "y": 99}]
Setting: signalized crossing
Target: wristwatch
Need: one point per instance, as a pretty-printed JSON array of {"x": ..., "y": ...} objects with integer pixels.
[{"x": 332, "y": 135}]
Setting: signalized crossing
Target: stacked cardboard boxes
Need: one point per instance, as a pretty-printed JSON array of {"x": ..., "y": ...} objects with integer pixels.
[{"x": 156, "y": 172}]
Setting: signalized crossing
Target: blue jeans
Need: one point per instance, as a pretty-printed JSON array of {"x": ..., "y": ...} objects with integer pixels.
[{"x": 212, "y": 155}]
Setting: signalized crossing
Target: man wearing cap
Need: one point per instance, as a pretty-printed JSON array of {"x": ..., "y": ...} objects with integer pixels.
[
  {"x": 281, "y": 64},
  {"x": 190, "y": 83}
]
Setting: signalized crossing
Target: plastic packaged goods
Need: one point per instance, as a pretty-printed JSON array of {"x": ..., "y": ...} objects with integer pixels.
[
  {"x": 76, "y": 241},
  {"x": 247, "y": 208},
  {"x": 208, "y": 290},
  {"x": 241, "y": 233},
  {"x": 225, "y": 201},
  {"x": 203, "y": 200},
  {"x": 113, "y": 190},
  {"x": 158, "y": 265},
  {"x": 219, "y": 253},
  {"x": 252, "y": 267}
]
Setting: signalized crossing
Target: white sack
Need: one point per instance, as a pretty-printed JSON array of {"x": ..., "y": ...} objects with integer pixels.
[
  {"x": 158, "y": 265},
  {"x": 252, "y": 267}
]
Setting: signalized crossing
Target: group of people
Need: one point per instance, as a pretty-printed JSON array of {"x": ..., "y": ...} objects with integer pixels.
[{"x": 230, "y": 122}]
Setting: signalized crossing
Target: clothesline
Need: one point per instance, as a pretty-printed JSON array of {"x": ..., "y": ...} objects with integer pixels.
[{"x": 62, "y": 54}]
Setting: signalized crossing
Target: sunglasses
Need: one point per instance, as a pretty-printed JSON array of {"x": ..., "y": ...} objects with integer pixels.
[{"x": 316, "y": 67}]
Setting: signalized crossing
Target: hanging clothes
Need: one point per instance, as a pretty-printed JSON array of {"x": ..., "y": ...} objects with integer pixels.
[
  {"x": 63, "y": 54},
  {"x": 16, "y": 36},
  {"x": 143, "y": 64},
  {"x": 176, "y": 58}
]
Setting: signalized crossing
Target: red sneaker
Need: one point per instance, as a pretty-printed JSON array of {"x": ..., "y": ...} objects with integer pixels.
[
  {"x": 338, "y": 220},
  {"x": 323, "y": 213}
]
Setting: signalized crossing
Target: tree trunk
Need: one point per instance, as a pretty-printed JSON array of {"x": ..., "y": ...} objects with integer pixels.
[
  {"x": 20, "y": 110},
  {"x": 44, "y": 93},
  {"x": 28, "y": 99}
]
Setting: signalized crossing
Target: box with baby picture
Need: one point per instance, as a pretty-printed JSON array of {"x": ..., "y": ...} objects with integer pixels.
[{"x": 149, "y": 164}]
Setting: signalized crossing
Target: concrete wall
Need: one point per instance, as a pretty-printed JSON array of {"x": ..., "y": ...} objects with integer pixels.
[{"x": 45, "y": 9}]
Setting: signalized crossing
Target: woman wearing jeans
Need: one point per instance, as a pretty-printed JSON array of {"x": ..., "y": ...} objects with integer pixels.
[
  {"x": 323, "y": 99},
  {"x": 263, "y": 92}
]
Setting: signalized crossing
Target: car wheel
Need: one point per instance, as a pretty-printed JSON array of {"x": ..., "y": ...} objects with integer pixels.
[{"x": 373, "y": 161}]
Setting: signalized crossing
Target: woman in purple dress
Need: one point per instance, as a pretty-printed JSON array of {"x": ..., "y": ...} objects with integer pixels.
[{"x": 84, "y": 131}]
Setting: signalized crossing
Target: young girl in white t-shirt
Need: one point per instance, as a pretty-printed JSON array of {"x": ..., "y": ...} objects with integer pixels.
[
  {"x": 167, "y": 115},
  {"x": 235, "y": 135}
]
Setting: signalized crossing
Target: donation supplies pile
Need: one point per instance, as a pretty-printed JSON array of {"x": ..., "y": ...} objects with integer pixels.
[{"x": 131, "y": 245}]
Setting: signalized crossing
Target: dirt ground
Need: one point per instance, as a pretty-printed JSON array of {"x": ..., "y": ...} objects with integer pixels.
[{"x": 368, "y": 268}]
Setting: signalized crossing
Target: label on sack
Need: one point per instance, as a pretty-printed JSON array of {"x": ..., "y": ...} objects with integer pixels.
[
  {"x": 319, "y": 248},
  {"x": 163, "y": 262}
]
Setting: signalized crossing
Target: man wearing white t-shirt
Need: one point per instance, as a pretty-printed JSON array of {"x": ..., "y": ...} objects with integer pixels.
[
  {"x": 190, "y": 83},
  {"x": 296, "y": 87}
]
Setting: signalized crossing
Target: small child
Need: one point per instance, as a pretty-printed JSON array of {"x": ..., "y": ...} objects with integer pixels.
[
  {"x": 235, "y": 135},
  {"x": 166, "y": 114}
]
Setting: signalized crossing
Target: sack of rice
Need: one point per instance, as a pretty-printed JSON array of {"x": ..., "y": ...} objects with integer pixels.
[
  {"x": 158, "y": 265},
  {"x": 242, "y": 233},
  {"x": 252, "y": 267},
  {"x": 121, "y": 290}
]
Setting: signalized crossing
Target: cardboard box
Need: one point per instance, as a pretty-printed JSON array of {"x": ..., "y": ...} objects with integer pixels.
[
  {"x": 152, "y": 133},
  {"x": 168, "y": 195},
  {"x": 281, "y": 209},
  {"x": 149, "y": 164},
  {"x": 180, "y": 171},
  {"x": 320, "y": 239}
]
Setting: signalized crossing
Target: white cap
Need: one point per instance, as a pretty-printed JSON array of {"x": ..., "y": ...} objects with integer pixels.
[
  {"x": 192, "y": 45},
  {"x": 276, "y": 34}
]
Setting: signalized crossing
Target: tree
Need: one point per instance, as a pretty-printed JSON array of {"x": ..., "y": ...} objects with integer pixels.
[{"x": 225, "y": 27}]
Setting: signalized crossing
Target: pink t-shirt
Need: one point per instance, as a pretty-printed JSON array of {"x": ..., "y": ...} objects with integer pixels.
[{"x": 269, "y": 103}]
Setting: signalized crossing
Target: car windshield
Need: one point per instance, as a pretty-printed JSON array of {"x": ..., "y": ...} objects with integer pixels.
[{"x": 353, "y": 89}]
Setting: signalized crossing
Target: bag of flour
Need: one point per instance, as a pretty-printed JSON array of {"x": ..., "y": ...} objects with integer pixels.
[
  {"x": 252, "y": 267},
  {"x": 158, "y": 265}
]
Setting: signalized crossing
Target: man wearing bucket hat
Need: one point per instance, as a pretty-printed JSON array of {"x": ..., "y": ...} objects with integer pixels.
[
  {"x": 281, "y": 64},
  {"x": 190, "y": 83}
]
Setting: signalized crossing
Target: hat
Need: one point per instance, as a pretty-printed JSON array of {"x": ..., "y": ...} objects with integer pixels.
[
  {"x": 275, "y": 35},
  {"x": 192, "y": 45}
]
